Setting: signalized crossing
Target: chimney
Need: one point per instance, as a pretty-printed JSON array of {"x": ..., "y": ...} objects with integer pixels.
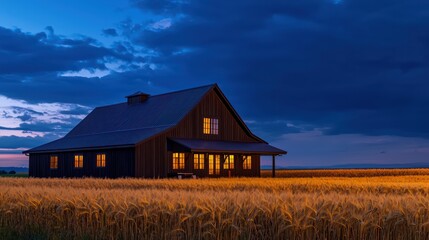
[{"x": 137, "y": 97}]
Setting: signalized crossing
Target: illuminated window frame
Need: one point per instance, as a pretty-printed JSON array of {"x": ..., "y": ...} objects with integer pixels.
[
  {"x": 211, "y": 126},
  {"x": 198, "y": 161},
  {"x": 53, "y": 162},
  {"x": 214, "y": 164},
  {"x": 78, "y": 161},
  {"x": 247, "y": 162},
  {"x": 206, "y": 126},
  {"x": 101, "y": 160},
  {"x": 178, "y": 160},
  {"x": 229, "y": 162},
  {"x": 217, "y": 169}
]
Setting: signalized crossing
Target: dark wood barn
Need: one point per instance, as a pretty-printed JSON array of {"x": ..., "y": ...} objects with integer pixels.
[{"x": 189, "y": 132}]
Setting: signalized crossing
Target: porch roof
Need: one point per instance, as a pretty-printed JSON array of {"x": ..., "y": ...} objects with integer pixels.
[{"x": 198, "y": 145}]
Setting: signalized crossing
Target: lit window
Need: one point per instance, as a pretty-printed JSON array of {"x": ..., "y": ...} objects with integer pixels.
[
  {"x": 229, "y": 162},
  {"x": 178, "y": 161},
  {"x": 54, "y": 162},
  {"x": 198, "y": 161},
  {"x": 211, "y": 126},
  {"x": 206, "y": 127},
  {"x": 247, "y": 162},
  {"x": 214, "y": 164},
  {"x": 217, "y": 161},
  {"x": 78, "y": 161},
  {"x": 101, "y": 160}
]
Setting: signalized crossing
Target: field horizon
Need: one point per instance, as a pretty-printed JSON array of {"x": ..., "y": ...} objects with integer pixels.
[{"x": 413, "y": 165}]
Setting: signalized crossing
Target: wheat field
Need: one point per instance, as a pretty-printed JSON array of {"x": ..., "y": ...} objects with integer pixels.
[
  {"x": 346, "y": 172},
  {"x": 379, "y": 207}
]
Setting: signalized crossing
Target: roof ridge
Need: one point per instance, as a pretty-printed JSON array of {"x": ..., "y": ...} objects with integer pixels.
[
  {"x": 184, "y": 90},
  {"x": 163, "y": 94},
  {"x": 123, "y": 130}
]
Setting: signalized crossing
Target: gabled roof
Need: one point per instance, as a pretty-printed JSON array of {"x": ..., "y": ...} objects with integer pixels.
[
  {"x": 159, "y": 110},
  {"x": 108, "y": 126},
  {"x": 124, "y": 125}
]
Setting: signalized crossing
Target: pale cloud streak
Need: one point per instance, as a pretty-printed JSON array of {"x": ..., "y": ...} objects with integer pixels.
[
  {"x": 15, "y": 113},
  {"x": 161, "y": 24}
]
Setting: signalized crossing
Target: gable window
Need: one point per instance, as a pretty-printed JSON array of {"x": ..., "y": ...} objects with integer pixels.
[
  {"x": 101, "y": 160},
  {"x": 78, "y": 161},
  {"x": 247, "y": 162},
  {"x": 229, "y": 162},
  {"x": 198, "y": 161},
  {"x": 178, "y": 161},
  {"x": 211, "y": 126},
  {"x": 53, "y": 164}
]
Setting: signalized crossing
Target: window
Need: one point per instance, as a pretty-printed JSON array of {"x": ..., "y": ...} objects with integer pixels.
[
  {"x": 247, "y": 162},
  {"x": 78, "y": 161},
  {"x": 211, "y": 126},
  {"x": 217, "y": 164},
  {"x": 101, "y": 160},
  {"x": 214, "y": 125},
  {"x": 54, "y": 162},
  {"x": 229, "y": 162},
  {"x": 178, "y": 161},
  {"x": 214, "y": 164},
  {"x": 206, "y": 127},
  {"x": 198, "y": 161}
]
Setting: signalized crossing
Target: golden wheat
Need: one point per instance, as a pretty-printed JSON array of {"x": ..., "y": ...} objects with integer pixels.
[
  {"x": 238, "y": 208},
  {"x": 346, "y": 172}
]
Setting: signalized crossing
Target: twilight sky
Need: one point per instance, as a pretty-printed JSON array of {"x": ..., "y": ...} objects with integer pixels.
[{"x": 331, "y": 81}]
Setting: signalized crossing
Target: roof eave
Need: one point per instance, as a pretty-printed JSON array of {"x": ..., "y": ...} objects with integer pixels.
[
  {"x": 235, "y": 113},
  {"x": 238, "y": 151},
  {"x": 78, "y": 149}
]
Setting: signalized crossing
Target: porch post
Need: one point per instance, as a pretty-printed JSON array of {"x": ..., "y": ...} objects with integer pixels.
[{"x": 274, "y": 166}]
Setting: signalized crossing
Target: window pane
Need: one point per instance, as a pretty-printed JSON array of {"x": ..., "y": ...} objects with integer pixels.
[
  {"x": 247, "y": 162},
  {"x": 178, "y": 160},
  {"x": 182, "y": 160},
  {"x": 175, "y": 161},
  {"x": 196, "y": 162},
  {"x": 206, "y": 126},
  {"x": 211, "y": 164},
  {"x": 217, "y": 160},
  {"x": 215, "y": 126},
  {"x": 53, "y": 164},
  {"x": 78, "y": 161},
  {"x": 201, "y": 161},
  {"x": 226, "y": 163},
  {"x": 101, "y": 160},
  {"x": 210, "y": 126},
  {"x": 229, "y": 162}
]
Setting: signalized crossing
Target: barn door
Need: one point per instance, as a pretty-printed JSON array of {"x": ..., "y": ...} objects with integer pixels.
[{"x": 214, "y": 164}]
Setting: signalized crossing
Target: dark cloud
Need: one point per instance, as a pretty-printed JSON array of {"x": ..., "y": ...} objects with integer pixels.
[
  {"x": 348, "y": 66},
  {"x": 92, "y": 91},
  {"x": 110, "y": 32},
  {"x": 25, "y": 53},
  {"x": 32, "y": 68}
]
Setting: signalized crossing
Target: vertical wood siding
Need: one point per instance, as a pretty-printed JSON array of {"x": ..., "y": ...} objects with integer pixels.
[
  {"x": 153, "y": 160},
  {"x": 119, "y": 163}
]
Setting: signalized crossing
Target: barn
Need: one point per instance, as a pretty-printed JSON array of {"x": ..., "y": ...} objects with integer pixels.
[{"x": 190, "y": 132}]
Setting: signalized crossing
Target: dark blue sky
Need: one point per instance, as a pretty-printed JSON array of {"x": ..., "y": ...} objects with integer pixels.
[{"x": 331, "y": 81}]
